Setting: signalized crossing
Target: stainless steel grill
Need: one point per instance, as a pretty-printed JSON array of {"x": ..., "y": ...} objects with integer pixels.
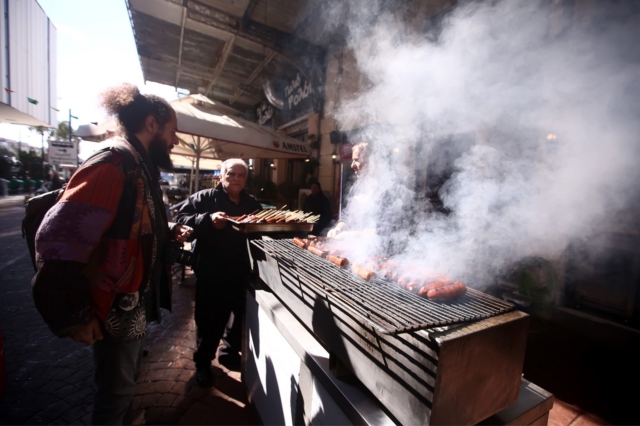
[{"x": 382, "y": 304}]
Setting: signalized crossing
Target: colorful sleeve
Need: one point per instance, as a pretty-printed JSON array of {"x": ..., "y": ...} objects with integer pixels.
[{"x": 68, "y": 235}]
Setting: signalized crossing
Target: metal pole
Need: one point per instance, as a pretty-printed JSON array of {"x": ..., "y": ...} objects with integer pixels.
[
  {"x": 70, "y": 141},
  {"x": 42, "y": 154}
]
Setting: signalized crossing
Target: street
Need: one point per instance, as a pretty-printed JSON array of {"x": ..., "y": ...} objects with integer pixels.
[{"x": 48, "y": 379}]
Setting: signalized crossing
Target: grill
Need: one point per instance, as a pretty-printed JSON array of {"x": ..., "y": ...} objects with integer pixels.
[
  {"x": 380, "y": 303},
  {"x": 426, "y": 362}
]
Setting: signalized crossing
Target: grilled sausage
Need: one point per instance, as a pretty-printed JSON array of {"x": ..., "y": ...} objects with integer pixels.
[
  {"x": 427, "y": 287},
  {"x": 299, "y": 242},
  {"x": 436, "y": 281},
  {"x": 448, "y": 292},
  {"x": 338, "y": 260},
  {"x": 317, "y": 251},
  {"x": 363, "y": 273},
  {"x": 412, "y": 286}
]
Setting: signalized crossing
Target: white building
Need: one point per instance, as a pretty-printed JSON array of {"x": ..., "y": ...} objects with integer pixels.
[{"x": 27, "y": 64}]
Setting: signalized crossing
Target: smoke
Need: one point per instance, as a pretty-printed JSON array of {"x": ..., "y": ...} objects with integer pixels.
[{"x": 533, "y": 110}]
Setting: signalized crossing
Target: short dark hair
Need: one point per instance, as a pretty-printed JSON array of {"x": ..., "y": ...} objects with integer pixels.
[
  {"x": 315, "y": 182},
  {"x": 132, "y": 107}
]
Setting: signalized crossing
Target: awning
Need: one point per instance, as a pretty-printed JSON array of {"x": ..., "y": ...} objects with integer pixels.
[
  {"x": 183, "y": 163},
  {"x": 11, "y": 115},
  {"x": 96, "y": 132},
  {"x": 226, "y": 136}
]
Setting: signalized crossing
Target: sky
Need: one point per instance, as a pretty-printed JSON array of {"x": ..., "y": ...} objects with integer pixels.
[{"x": 96, "y": 50}]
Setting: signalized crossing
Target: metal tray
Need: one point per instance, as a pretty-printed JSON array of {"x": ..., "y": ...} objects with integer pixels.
[{"x": 254, "y": 228}]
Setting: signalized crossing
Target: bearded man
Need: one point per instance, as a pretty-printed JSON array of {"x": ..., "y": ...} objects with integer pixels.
[
  {"x": 101, "y": 250},
  {"x": 222, "y": 266}
]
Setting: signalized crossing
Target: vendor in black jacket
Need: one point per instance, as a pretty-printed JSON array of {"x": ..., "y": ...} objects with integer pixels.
[{"x": 222, "y": 265}]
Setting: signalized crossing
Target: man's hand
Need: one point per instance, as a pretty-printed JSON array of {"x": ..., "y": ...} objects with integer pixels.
[
  {"x": 89, "y": 334},
  {"x": 219, "y": 219},
  {"x": 182, "y": 233},
  {"x": 333, "y": 233}
]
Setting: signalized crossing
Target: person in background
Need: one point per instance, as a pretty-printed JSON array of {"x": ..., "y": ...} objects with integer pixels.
[
  {"x": 101, "y": 274},
  {"x": 318, "y": 204},
  {"x": 56, "y": 182},
  {"x": 359, "y": 157},
  {"x": 222, "y": 266}
]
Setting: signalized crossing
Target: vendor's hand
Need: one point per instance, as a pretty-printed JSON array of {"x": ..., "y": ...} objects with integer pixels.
[
  {"x": 333, "y": 233},
  {"x": 89, "y": 334},
  {"x": 182, "y": 233},
  {"x": 219, "y": 219}
]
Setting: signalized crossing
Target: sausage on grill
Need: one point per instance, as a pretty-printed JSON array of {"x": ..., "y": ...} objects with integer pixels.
[
  {"x": 448, "y": 292},
  {"x": 363, "y": 273},
  {"x": 299, "y": 242},
  {"x": 437, "y": 281},
  {"x": 317, "y": 251},
  {"x": 338, "y": 260}
]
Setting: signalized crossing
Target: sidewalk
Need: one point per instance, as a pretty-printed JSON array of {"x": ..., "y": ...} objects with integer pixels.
[
  {"x": 167, "y": 392},
  {"x": 12, "y": 200}
]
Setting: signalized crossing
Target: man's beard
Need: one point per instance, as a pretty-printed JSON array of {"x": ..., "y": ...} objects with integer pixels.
[{"x": 159, "y": 154}]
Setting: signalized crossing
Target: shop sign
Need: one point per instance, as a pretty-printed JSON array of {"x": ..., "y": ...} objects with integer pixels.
[
  {"x": 298, "y": 96},
  {"x": 63, "y": 152},
  {"x": 264, "y": 112}
]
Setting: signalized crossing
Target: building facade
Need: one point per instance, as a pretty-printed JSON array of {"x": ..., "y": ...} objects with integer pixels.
[{"x": 28, "y": 66}]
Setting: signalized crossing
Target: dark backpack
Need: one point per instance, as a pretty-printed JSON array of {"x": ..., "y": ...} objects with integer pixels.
[
  {"x": 37, "y": 207},
  {"x": 35, "y": 210}
]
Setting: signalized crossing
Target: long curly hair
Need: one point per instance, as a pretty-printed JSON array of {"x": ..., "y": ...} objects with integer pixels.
[{"x": 132, "y": 108}]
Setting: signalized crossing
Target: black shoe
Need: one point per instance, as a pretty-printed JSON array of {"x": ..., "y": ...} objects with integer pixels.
[
  {"x": 231, "y": 362},
  {"x": 204, "y": 377}
]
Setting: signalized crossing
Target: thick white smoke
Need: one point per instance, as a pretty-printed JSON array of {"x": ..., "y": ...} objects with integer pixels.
[{"x": 507, "y": 75}]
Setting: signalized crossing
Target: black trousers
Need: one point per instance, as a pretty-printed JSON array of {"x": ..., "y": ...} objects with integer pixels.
[{"x": 217, "y": 297}]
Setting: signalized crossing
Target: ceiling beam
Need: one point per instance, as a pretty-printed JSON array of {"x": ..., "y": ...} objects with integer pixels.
[
  {"x": 228, "y": 47},
  {"x": 246, "y": 16},
  {"x": 251, "y": 90},
  {"x": 254, "y": 74},
  {"x": 184, "y": 21}
]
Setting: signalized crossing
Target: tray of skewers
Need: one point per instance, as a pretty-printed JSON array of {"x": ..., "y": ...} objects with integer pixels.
[{"x": 274, "y": 220}]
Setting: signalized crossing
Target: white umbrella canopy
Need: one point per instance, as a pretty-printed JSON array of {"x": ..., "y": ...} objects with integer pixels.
[
  {"x": 97, "y": 132},
  {"x": 206, "y": 128},
  {"x": 211, "y": 130},
  {"x": 205, "y": 123}
]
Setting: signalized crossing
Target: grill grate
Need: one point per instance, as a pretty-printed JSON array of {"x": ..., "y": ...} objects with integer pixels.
[{"x": 382, "y": 304}]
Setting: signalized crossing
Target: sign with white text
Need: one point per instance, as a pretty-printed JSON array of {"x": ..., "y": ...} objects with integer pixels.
[{"x": 63, "y": 152}]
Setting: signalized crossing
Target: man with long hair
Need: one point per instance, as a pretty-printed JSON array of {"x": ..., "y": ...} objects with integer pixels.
[{"x": 100, "y": 250}]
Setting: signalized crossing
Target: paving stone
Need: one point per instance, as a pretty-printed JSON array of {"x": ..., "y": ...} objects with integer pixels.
[
  {"x": 145, "y": 388},
  {"x": 198, "y": 414},
  {"x": 562, "y": 414},
  {"x": 82, "y": 395},
  {"x": 52, "y": 386},
  {"x": 32, "y": 399},
  {"x": 153, "y": 415},
  {"x": 138, "y": 417},
  {"x": 37, "y": 420},
  {"x": 73, "y": 414},
  {"x": 171, "y": 416},
  {"x": 55, "y": 410},
  {"x": 17, "y": 416},
  {"x": 183, "y": 402},
  {"x": 159, "y": 365},
  {"x": 150, "y": 400},
  {"x": 166, "y": 400}
]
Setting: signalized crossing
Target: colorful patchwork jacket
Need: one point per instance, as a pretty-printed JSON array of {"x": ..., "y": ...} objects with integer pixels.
[{"x": 96, "y": 247}]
